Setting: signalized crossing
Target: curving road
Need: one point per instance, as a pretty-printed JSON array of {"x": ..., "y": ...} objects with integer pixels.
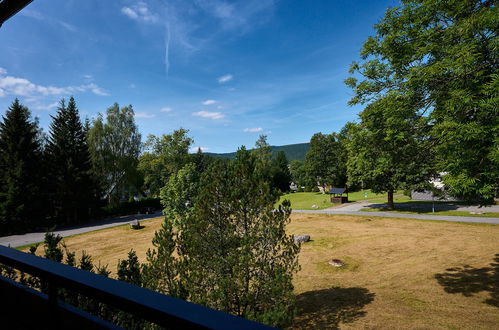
[
  {"x": 30, "y": 238},
  {"x": 349, "y": 209}
]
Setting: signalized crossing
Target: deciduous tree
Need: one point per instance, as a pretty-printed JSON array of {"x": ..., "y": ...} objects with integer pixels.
[
  {"x": 115, "y": 145},
  {"x": 442, "y": 56}
]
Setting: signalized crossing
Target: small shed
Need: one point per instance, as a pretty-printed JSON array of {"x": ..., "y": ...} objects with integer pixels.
[{"x": 337, "y": 195}]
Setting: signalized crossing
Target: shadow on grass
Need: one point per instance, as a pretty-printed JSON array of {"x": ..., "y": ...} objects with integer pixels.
[
  {"x": 327, "y": 308},
  {"x": 468, "y": 281}
]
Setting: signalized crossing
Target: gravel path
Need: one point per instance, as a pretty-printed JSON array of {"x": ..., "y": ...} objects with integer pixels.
[{"x": 30, "y": 238}]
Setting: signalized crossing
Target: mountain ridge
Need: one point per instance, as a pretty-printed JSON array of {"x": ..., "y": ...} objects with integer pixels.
[{"x": 295, "y": 151}]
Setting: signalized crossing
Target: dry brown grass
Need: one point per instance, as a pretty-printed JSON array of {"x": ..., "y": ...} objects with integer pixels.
[{"x": 396, "y": 275}]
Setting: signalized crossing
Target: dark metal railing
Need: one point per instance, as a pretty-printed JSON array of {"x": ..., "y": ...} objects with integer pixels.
[{"x": 152, "y": 306}]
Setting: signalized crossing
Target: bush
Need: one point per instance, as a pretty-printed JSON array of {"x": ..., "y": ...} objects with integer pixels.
[{"x": 132, "y": 207}]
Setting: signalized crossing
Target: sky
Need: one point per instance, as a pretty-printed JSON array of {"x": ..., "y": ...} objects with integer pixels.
[{"x": 228, "y": 71}]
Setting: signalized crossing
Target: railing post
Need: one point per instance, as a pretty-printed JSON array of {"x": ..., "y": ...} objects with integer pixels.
[{"x": 53, "y": 305}]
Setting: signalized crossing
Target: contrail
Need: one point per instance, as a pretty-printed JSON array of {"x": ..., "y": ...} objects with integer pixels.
[
  {"x": 167, "y": 48},
  {"x": 167, "y": 40}
]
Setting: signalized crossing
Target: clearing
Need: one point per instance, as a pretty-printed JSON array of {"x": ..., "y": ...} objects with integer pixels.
[{"x": 398, "y": 273}]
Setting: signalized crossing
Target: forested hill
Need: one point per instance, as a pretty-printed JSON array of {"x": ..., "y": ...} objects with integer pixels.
[{"x": 292, "y": 151}]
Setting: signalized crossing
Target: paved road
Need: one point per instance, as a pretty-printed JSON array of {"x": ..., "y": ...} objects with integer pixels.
[
  {"x": 355, "y": 209},
  {"x": 30, "y": 238},
  {"x": 349, "y": 209},
  {"x": 490, "y": 220}
]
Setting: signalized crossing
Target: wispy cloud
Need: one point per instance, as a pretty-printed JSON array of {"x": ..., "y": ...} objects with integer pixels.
[
  {"x": 144, "y": 115},
  {"x": 208, "y": 102},
  {"x": 46, "y": 107},
  {"x": 39, "y": 16},
  {"x": 166, "y": 109},
  {"x": 226, "y": 78},
  {"x": 140, "y": 12},
  {"x": 195, "y": 149},
  {"x": 16, "y": 86},
  {"x": 182, "y": 21},
  {"x": 208, "y": 114},
  {"x": 253, "y": 130}
]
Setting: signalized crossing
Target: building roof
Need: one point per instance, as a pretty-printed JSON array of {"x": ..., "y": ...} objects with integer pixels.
[
  {"x": 9, "y": 8},
  {"x": 337, "y": 190}
]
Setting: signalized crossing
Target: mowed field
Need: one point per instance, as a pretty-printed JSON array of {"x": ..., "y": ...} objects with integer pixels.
[{"x": 399, "y": 273}]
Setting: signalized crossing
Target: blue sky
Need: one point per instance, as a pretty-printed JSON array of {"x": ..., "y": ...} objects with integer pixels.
[{"x": 226, "y": 70}]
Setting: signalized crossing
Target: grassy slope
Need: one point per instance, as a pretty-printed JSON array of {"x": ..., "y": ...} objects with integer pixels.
[
  {"x": 305, "y": 200},
  {"x": 390, "y": 281}
]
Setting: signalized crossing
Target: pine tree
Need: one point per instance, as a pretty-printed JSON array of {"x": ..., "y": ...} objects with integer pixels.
[
  {"x": 73, "y": 187},
  {"x": 227, "y": 248},
  {"x": 281, "y": 177},
  {"x": 20, "y": 175}
]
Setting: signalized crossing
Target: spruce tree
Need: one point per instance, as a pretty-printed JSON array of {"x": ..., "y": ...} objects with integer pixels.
[
  {"x": 72, "y": 185},
  {"x": 20, "y": 175}
]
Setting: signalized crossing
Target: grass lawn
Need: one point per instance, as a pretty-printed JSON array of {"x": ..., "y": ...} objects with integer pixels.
[
  {"x": 305, "y": 200},
  {"x": 399, "y": 273}
]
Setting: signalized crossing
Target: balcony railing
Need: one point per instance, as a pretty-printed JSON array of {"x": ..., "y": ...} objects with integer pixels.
[{"x": 22, "y": 307}]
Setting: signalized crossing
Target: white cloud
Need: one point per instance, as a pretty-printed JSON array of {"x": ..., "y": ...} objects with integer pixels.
[
  {"x": 226, "y": 78},
  {"x": 208, "y": 102},
  {"x": 144, "y": 115},
  {"x": 129, "y": 12},
  {"x": 10, "y": 85},
  {"x": 253, "y": 130},
  {"x": 195, "y": 149},
  {"x": 46, "y": 107},
  {"x": 140, "y": 12},
  {"x": 166, "y": 109},
  {"x": 208, "y": 114}
]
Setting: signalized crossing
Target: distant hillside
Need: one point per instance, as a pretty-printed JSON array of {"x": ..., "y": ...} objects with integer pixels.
[{"x": 292, "y": 151}]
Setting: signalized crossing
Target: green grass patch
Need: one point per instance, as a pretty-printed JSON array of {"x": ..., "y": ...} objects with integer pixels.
[{"x": 305, "y": 200}]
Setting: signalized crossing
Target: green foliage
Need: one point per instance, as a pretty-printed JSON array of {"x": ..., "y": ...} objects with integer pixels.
[
  {"x": 442, "y": 58},
  {"x": 325, "y": 162},
  {"x": 133, "y": 207},
  {"x": 73, "y": 190},
  {"x": 280, "y": 174},
  {"x": 298, "y": 173},
  {"x": 165, "y": 155},
  {"x": 115, "y": 147},
  {"x": 386, "y": 152},
  {"x": 228, "y": 248},
  {"x": 21, "y": 174}
]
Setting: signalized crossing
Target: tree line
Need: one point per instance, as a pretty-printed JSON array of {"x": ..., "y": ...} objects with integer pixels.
[{"x": 83, "y": 170}]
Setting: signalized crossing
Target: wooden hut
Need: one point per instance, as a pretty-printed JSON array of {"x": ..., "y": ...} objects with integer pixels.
[{"x": 337, "y": 195}]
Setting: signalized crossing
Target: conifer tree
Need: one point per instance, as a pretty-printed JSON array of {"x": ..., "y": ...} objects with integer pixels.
[
  {"x": 227, "y": 248},
  {"x": 73, "y": 187},
  {"x": 20, "y": 175}
]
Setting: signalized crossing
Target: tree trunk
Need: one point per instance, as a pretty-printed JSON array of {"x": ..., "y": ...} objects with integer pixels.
[{"x": 390, "y": 200}]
